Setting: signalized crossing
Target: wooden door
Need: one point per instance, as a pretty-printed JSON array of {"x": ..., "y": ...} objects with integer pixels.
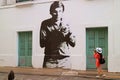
[
  {"x": 96, "y": 37},
  {"x": 25, "y": 49}
]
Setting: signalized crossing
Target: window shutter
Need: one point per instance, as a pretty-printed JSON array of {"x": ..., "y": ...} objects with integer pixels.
[{"x": 22, "y": 0}]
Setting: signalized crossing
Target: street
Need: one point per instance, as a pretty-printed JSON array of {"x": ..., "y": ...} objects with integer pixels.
[{"x": 3, "y": 76}]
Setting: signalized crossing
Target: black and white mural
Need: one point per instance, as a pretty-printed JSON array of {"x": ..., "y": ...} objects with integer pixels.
[{"x": 56, "y": 38}]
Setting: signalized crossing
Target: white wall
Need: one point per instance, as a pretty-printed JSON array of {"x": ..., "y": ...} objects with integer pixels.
[{"x": 79, "y": 13}]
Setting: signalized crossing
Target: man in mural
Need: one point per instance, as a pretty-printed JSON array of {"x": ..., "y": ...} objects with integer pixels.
[{"x": 56, "y": 37}]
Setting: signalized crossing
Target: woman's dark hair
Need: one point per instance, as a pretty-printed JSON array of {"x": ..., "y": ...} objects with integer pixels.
[{"x": 56, "y": 4}]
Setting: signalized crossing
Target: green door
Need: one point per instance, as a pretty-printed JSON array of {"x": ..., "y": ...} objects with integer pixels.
[
  {"x": 25, "y": 49},
  {"x": 96, "y": 37}
]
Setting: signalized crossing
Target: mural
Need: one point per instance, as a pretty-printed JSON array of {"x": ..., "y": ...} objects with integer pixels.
[{"x": 56, "y": 37}]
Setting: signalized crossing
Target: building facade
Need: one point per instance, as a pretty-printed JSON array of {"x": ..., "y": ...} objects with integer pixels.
[{"x": 95, "y": 23}]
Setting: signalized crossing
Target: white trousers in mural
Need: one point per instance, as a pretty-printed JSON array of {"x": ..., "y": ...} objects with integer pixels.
[{"x": 60, "y": 63}]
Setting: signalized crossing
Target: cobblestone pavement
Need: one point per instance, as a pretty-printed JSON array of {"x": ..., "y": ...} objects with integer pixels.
[
  {"x": 54, "y": 74},
  {"x": 3, "y": 76}
]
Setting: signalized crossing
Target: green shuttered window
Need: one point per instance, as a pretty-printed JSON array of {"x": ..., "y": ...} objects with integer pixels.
[{"x": 22, "y": 0}]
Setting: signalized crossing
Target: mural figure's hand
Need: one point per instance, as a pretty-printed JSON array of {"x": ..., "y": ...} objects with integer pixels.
[{"x": 65, "y": 31}]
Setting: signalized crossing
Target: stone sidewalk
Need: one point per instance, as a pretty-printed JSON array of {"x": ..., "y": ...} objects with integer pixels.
[{"x": 59, "y": 72}]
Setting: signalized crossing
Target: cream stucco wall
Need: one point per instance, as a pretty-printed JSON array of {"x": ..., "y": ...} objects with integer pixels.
[{"x": 81, "y": 14}]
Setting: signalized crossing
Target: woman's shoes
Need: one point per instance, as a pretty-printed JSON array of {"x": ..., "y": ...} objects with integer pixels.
[
  {"x": 103, "y": 75},
  {"x": 98, "y": 76}
]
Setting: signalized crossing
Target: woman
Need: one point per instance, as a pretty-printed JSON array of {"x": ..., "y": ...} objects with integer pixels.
[{"x": 97, "y": 53}]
